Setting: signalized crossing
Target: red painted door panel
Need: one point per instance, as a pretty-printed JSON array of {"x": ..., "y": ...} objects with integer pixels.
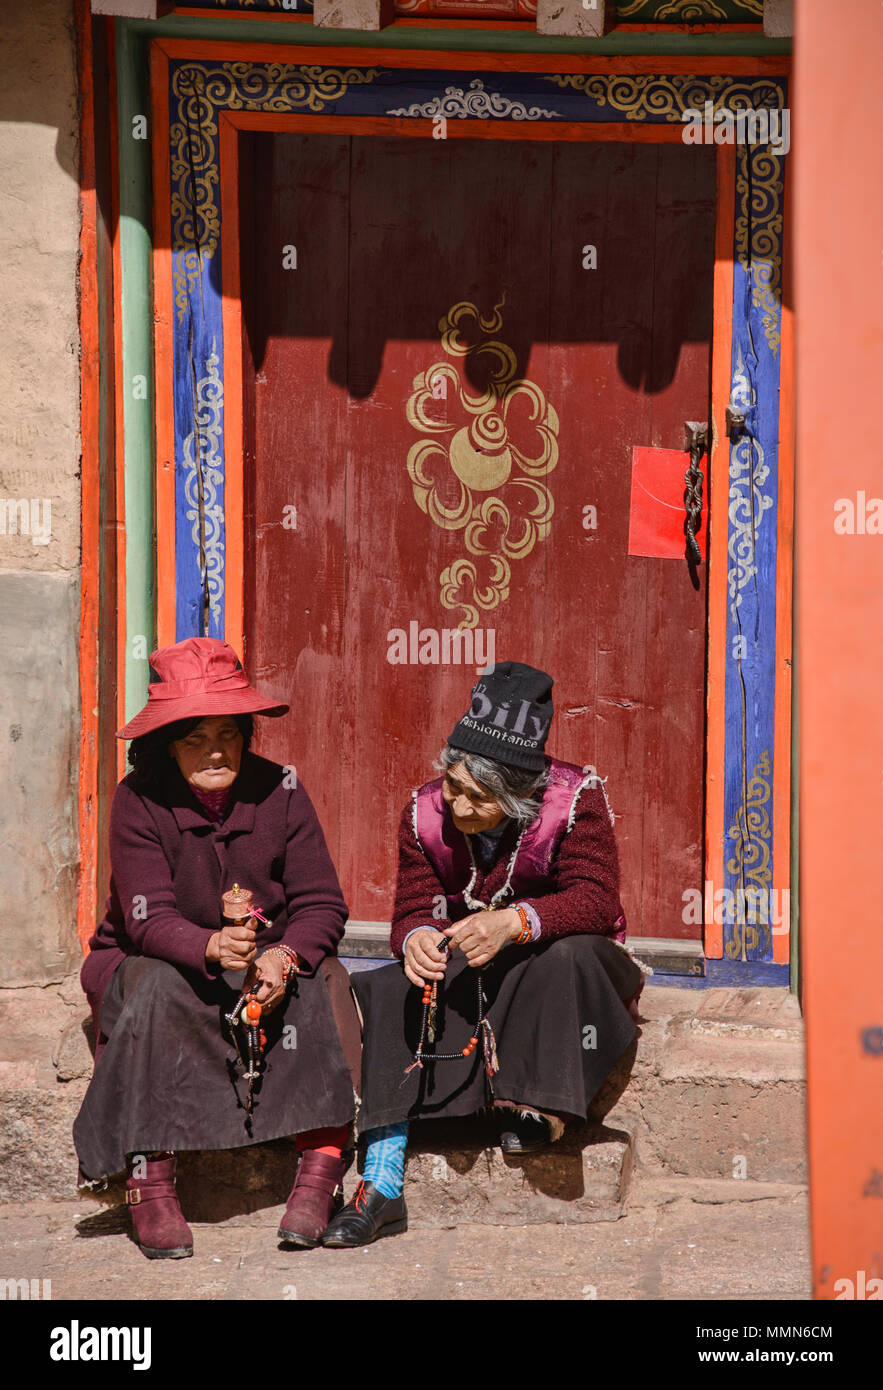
[{"x": 442, "y": 392}]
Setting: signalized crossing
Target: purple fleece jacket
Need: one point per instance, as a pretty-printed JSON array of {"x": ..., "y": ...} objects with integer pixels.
[{"x": 170, "y": 865}]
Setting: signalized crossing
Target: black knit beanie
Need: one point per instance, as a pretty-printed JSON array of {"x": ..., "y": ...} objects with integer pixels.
[{"x": 509, "y": 717}]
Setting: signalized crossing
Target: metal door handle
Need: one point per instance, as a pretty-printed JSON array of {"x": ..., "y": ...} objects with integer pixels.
[{"x": 697, "y": 443}]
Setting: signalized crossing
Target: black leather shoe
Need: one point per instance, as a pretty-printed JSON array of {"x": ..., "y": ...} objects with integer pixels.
[
  {"x": 366, "y": 1218},
  {"x": 526, "y": 1134}
]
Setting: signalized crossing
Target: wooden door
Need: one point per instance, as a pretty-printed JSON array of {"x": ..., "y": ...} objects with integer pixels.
[{"x": 441, "y": 388}]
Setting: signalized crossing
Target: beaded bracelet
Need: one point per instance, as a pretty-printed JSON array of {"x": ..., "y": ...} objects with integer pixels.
[
  {"x": 526, "y": 933},
  {"x": 289, "y": 960}
]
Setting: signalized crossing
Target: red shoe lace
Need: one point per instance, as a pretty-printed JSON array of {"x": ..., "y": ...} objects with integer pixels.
[{"x": 360, "y": 1198}]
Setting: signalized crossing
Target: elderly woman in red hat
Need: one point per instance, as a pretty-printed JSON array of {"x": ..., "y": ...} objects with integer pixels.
[{"x": 221, "y": 885}]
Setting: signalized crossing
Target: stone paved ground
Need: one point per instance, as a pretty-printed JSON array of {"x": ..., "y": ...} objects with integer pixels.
[
  {"x": 718, "y": 1074},
  {"x": 678, "y": 1240}
]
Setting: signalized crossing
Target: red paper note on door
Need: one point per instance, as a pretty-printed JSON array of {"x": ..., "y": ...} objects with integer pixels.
[{"x": 657, "y": 514}]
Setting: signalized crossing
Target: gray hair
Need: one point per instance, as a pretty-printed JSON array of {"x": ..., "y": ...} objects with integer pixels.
[{"x": 515, "y": 788}]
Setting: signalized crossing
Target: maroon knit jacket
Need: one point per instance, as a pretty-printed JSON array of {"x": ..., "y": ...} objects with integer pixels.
[
  {"x": 583, "y": 885},
  {"x": 170, "y": 865}
]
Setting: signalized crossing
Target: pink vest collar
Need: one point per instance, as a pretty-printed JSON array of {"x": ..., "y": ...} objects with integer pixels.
[{"x": 445, "y": 846}]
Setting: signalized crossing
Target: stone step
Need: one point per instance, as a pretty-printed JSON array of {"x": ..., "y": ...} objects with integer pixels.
[
  {"x": 717, "y": 1086},
  {"x": 660, "y": 1192},
  {"x": 712, "y": 1090},
  {"x": 37, "y": 1156},
  {"x": 456, "y": 1173}
]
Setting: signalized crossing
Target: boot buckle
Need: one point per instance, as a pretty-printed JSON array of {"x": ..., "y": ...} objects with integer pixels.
[{"x": 133, "y": 1196}]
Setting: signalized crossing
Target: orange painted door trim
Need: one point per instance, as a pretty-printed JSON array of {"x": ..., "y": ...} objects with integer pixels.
[
  {"x": 782, "y": 715},
  {"x": 90, "y": 475},
  {"x": 163, "y": 310},
  {"x": 119, "y": 414},
  {"x": 234, "y": 440},
  {"x": 466, "y": 60},
  {"x": 718, "y": 522}
]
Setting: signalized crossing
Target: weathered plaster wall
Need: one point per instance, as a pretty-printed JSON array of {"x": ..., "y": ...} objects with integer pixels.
[{"x": 39, "y": 490}]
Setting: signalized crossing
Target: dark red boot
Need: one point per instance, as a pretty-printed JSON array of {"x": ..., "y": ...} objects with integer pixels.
[
  {"x": 161, "y": 1232},
  {"x": 317, "y": 1195}
]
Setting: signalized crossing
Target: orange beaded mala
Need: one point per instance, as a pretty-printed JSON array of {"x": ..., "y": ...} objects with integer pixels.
[
  {"x": 483, "y": 1031},
  {"x": 248, "y": 1011}
]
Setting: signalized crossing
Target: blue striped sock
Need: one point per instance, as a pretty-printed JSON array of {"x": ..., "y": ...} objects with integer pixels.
[{"x": 385, "y": 1158}]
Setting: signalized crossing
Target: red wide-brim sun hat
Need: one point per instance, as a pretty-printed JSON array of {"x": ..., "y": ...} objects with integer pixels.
[{"x": 199, "y": 677}]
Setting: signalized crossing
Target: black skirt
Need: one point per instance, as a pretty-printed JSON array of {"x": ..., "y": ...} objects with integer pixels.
[
  {"x": 560, "y": 1019},
  {"x": 170, "y": 1076}
]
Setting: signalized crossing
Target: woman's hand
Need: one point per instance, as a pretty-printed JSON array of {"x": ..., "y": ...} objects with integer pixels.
[
  {"x": 267, "y": 979},
  {"x": 483, "y": 934},
  {"x": 423, "y": 959},
  {"x": 232, "y": 947}
]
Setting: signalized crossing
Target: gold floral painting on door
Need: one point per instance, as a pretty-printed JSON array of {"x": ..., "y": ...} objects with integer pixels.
[{"x": 484, "y": 477}]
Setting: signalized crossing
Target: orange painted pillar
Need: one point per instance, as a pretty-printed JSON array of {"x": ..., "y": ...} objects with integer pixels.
[{"x": 838, "y": 229}]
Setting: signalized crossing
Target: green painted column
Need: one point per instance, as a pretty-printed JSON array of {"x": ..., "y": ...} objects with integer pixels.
[{"x": 133, "y": 113}]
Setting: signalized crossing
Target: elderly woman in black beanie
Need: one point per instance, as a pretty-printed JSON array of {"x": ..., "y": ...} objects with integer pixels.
[{"x": 507, "y": 897}]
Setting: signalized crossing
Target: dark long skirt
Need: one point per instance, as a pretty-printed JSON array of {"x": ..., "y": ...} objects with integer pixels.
[
  {"x": 169, "y": 1076},
  {"x": 559, "y": 1014}
]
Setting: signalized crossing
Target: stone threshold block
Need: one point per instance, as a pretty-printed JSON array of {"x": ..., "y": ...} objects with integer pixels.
[
  {"x": 353, "y": 14},
  {"x": 778, "y": 19},
  {"x": 37, "y": 1157},
  {"x": 718, "y": 1088},
  {"x": 711, "y": 1090},
  {"x": 456, "y": 1173},
  {"x": 577, "y": 19}
]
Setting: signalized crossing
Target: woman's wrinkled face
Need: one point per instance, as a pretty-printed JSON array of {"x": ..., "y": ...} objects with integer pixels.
[
  {"x": 210, "y": 755},
  {"x": 472, "y": 808}
]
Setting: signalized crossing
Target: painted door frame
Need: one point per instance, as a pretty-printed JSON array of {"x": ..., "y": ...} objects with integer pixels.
[{"x": 204, "y": 92}]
